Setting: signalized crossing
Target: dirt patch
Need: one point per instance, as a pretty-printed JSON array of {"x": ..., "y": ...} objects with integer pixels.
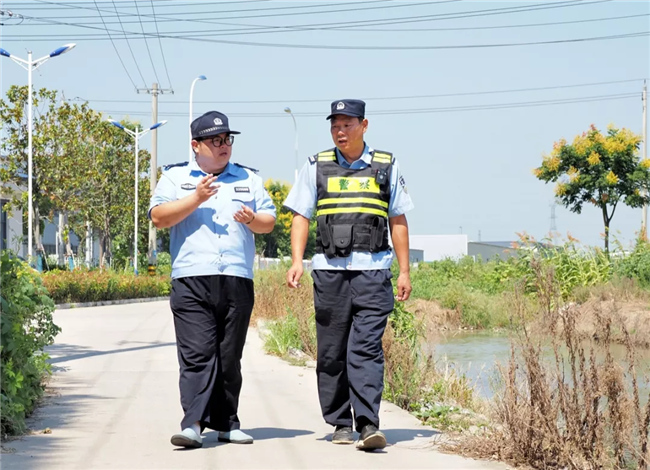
[
  {"x": 633, "y": 313},
  {"x": 437, "y": 320}
]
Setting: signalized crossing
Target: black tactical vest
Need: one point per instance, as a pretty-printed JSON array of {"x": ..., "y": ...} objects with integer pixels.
[{"x": 352, "y": 207}]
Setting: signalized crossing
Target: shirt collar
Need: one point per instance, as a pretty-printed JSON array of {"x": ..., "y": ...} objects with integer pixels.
[
  {"x": 366, "y": 158},
  {"x": 230, "y": 168}
]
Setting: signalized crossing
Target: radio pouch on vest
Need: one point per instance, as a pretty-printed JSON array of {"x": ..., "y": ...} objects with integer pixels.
[
  {"x": 326, "y": 240},
  {"x": 342, "y": 235},
  {"x": 377, "y": 233}
]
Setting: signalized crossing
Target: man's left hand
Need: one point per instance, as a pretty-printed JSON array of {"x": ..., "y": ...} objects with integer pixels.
[
  {"x": 403, "y": 287},
  {"x": 245, "y": 215}
]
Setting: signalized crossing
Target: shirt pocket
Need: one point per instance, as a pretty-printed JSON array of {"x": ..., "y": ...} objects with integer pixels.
[{"x": 242, "y": 199}]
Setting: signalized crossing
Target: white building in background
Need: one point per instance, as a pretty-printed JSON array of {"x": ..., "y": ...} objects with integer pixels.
[
  {"x": 11, "y": 231},
  {"x": 438, "y": 247}
]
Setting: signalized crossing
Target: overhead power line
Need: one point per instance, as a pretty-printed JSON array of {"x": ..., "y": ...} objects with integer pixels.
[
  {"x": 392, "y": 47},
  {"x": 258, "y": 29},
  {"x": 37, "y": 5},
  {"x": 419, "y": 47},
  {"x": 229, "y": 32},
  {"x": 447, "y": 109},
  {"x": 162, "y": 52},
  {"x": 135, "y": 61},
  {"x": 146, "y": 43},
  {"x": 381, "y": 98},
  {"x": 119, "y": 56}
]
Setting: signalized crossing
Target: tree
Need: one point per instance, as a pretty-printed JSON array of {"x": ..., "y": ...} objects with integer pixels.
[
  {"x": 278, "y": 242},
  {"x": 603, "y": 170},
  {"x": 83, "y": 166},
  {"x": 48, "y": 165}
]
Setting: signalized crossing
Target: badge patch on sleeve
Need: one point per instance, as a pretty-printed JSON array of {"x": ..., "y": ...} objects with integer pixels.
[
  {"x": 242, "y": 189},
  {"x": 403, "y": 183},
  {"x": 188, "y": 186}
]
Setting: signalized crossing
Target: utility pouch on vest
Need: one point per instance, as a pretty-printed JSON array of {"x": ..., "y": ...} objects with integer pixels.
[
  {"x": 377, "y": 234},
  {"x": 326, "y": 240},
  {"x": 342, "y": 236}
]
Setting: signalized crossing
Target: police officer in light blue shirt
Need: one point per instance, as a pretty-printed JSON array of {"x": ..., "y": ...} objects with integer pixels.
[
  {"x": 359, "y": 198},
  {"x": 213, "y": 208}
]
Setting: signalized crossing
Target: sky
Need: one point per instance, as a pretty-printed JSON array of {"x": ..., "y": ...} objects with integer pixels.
[{"x": 467, "y": 157}]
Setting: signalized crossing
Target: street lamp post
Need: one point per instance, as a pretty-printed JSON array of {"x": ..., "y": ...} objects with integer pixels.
[
  {"x": 31, "y": 65},
  {"x": 295, "y": 128},
  {"x": 200, "y": 77},
  {"x": 136, "y": 134}
]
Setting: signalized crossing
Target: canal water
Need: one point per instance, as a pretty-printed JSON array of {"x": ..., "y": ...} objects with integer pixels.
[{"x": 476, "y": 355}]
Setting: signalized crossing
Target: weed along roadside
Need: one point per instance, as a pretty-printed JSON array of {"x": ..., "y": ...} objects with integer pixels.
[{"x": 569, "y": 393}]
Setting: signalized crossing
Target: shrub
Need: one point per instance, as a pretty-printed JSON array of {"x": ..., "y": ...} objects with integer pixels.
[
  {"x": 164, "y": 266},
  {"x": 26, "y": 328},
  {"x": 636, "y": 265}
]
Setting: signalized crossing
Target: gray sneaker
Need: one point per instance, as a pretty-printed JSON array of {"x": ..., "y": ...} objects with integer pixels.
[
  {"x": 236, "y": 436},
  {"x": 187, "y": 438}
]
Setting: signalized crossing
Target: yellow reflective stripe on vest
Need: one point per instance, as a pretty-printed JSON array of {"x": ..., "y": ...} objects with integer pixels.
[
  {"x": 353, "y": 200},
  {"x": 326, "y": 156},
  {"x": 352, "y": 210},
  {"x": 383, "y": 157}
]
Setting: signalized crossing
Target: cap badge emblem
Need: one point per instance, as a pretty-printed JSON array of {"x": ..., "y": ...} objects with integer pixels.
[
  {"x": 340, "y": 105},
  {"x": 218, "y": 122}
]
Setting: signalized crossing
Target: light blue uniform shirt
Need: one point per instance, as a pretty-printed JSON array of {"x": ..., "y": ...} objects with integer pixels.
[
  {"x": 209, "y": 241},
  {"x": 302, "y": 200}
]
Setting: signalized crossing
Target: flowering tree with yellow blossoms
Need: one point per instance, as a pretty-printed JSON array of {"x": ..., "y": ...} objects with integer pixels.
[
  {"x": 600, "y": 169},
  {"x": 278, "y": 242}
]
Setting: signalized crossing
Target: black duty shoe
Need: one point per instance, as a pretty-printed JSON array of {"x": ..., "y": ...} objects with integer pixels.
[
  {"x": 371, "y": 438},
  {"x": 343, "y": 435}
]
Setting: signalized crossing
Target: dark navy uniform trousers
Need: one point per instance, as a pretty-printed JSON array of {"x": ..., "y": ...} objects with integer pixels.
[
  {"x": 352, "y": 309},
  {"x": 211, "y": 317}
]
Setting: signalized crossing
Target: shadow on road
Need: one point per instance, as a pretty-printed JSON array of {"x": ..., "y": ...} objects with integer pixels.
[
  {"x": 395, "y": 436},
  {"x": 258, "y": 434},
  {"x": 70, "y": 352},
  {"x": 404, "y": 435},
  {"x": 58, "y": 409}
]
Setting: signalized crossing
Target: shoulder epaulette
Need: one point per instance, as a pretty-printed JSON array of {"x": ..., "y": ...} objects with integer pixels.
[
  {"x": 246, "y": 167},
  {"x": 167, "y": 167},
  {"x": 383, "y": 156},
  {"x": 313, "y": 159}
]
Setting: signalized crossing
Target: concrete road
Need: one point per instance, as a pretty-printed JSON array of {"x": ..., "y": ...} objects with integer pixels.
[{"x": 114, "y": 403}]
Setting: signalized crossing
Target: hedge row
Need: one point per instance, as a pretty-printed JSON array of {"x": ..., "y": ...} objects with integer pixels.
[{"x": 82, "y": 285}]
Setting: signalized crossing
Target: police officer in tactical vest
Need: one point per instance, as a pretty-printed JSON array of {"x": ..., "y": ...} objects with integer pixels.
[{"x": 359, "y": 197}]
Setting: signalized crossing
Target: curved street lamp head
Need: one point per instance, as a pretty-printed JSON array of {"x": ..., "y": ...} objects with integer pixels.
[
  {"x": 202, "y": 77},
  {"x": 115, "y": 123},
  {"x": 287, "y": 110},
  {"x": 157, "y": 125},
  {"x": 4, "y": 53},
  {"x": 62, "y": 50}
]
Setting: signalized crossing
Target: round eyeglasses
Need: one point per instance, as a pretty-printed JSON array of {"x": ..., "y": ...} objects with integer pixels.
[{"x": 219, "y": 141}]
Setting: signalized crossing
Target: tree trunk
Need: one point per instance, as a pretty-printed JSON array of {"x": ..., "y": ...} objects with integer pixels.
[{"x": 606, "y": 220}]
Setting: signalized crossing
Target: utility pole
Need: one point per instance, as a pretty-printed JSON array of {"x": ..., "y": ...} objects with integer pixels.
[
  {"x": 154, "y": 91},
  {"x": 553, "y": 224},
  {"x": 644, "y": 215}
]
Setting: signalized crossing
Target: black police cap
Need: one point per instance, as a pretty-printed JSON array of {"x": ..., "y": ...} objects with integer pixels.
[
  {"x": 354, "y": 108},
  {"x": 211, "y": 123}
]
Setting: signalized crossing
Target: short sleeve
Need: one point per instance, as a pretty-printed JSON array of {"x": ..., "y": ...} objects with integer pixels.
[
  {"x": 165, "y": 192},
  {"x": 400, "y": 200},
  {"x": 263, "y": 202},
  {"x": 302, "y": 197}
]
